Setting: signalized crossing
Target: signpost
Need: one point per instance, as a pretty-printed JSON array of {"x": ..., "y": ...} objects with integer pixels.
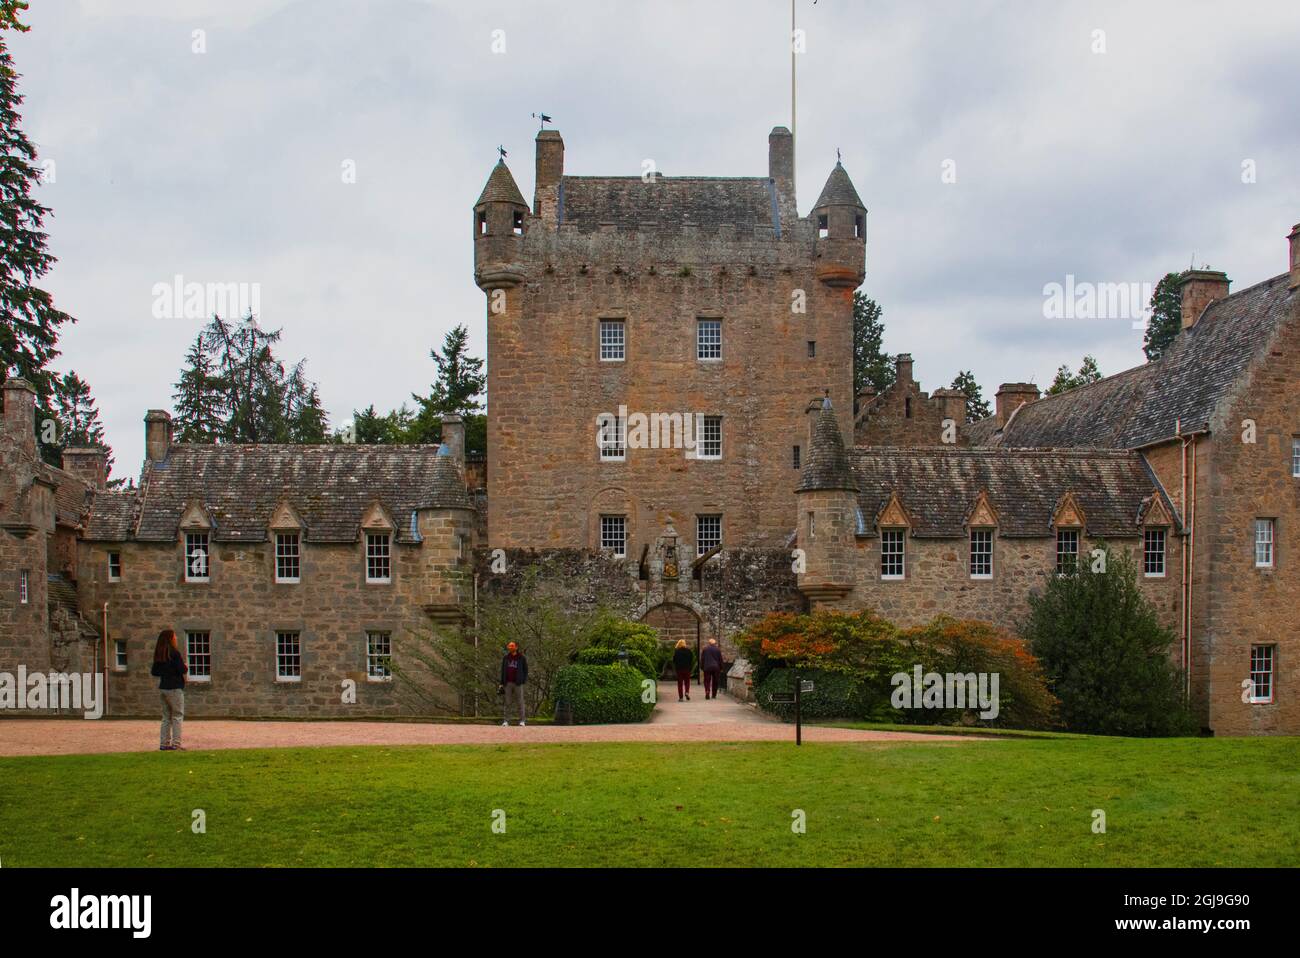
[{"x": 793, "y": 698}]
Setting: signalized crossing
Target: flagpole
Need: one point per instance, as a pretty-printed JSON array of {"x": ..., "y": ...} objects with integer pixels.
[{"x": 794, "y": 142}]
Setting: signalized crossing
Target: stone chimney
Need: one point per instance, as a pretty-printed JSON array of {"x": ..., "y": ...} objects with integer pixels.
[
  {"x": 952, "y": 404},
  {"x": 780, "y": 165},
  {"x": 1295, "y": 256},
  {"x": 1199, "y": 288},
  {"x": 453, "y": 436},
  {"x": 1011, "y": 396},
  {"x": 550, "y": 169},
  {"x": 157, "y": 434},
  {"x": 903, "y": 369},
  {"x": 89, "y": 464},
  {"x": 20, "y": 415}
]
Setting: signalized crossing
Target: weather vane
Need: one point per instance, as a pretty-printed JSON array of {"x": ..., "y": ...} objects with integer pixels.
[
  {"x": 544, "y": 120},
  {"x": 837, "y": 154},
  {"x": 502, "y": 151}
]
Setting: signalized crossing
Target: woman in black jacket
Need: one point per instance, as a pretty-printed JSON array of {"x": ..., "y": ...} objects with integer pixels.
[
  {"x": 682, "y": 661},
  {"x": 169, "y": 666}
]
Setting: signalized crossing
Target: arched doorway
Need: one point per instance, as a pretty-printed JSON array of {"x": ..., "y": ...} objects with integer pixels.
[{"x": 675, "y": 622}]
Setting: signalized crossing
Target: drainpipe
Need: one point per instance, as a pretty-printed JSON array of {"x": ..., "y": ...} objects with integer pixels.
[{"x": 104, "y": 632}]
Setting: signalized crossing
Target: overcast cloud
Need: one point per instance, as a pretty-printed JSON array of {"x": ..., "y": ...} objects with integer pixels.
[{"x": 226, "y": 166}]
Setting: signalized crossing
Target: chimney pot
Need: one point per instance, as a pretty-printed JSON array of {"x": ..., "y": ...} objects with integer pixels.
[
  {"x": 157, "y": 434},
  {"x": 1294, "y": 238},
  {"x": 550, "y": 170},
  {"x": 453, "y": 435},
  {"x": 1010, "y": 397},
  {"x": 1199, "y": 288},
  {"x": 903, "y": 368},
  {"x": 87, "y": 463}
]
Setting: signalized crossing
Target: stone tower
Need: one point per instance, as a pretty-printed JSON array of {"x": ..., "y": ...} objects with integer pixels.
[{"x": 829, "y": 516}]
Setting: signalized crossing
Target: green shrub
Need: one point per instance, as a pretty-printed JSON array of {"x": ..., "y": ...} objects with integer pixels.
[
  {"x": 612, "y": 632},
  {"x": 834, "y": 695},
  {"x": 635, "y": 658},
  {"x": 602, "y": 694}
]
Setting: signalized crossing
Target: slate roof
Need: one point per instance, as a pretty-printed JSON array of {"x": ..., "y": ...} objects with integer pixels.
[
  {"x": 501, "y": 187},
  {"x": 587, "y": 202},
  {"x": 112, "y": 517},
  {"x": 828, "y": 463},
  {"x": 839, "y": 190},
  {"x": 330, "y": 487},
  {"x": 1146, "y": 404},
  {"x": 939, "y": 485}
]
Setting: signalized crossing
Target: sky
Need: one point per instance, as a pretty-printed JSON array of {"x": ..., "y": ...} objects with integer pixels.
[{"x": 999, "y": 147}]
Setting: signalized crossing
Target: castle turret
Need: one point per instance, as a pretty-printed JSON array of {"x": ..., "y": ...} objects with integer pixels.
[
  {"x": 500, "y": 217},
  {"x": 445, "y": 521},
  {"x": 841, "y": 223},
  {"x": 827, "y": 498}
]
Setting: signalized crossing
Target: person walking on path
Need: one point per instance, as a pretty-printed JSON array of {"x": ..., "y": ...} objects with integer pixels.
[
  {"x": 682, "y": 666},
  {"x": 169, "y": 667},
  {"x": 711, "y": 666},
  {"x": 514, "y": 673}
]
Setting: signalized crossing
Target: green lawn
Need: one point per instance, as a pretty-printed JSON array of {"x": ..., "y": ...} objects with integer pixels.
[{"x": 1183, "y": 802}]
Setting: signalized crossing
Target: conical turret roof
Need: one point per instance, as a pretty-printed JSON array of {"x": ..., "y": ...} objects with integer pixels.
[
  {"x": 501, "y": 187},
  {"x": 839, "y": 190},
  {"x": 828, "y": 464}
]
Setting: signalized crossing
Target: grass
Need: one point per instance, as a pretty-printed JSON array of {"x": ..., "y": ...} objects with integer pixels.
[{"x": 1026, "y": 802}]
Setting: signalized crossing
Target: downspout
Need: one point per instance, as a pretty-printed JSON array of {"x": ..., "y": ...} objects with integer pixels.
[
  {"x": 1191, "y": 560},
  {"x": 104, "y": 632},
  {"x": 1185, "y": 613}
]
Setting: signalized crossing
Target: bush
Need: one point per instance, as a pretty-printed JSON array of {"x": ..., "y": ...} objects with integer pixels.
[
  {"x": 613, "y": 633},
  {"x": 602, "y": 694},
  {"x": 834, "y": 695},
  {"x": 1106, "y": 654},
  {"x": 635, "y": 658}
]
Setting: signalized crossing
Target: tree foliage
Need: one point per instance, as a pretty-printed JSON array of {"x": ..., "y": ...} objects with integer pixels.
[
  {"x": 1106, "y": 655},
  {"x": 871, "y": 365},
  {"x": 1065, "y": 380},
  {"x": 977, "y": 407},
  {"x": 78, "y": 418},
  {"x": 1166, "y": 317}
]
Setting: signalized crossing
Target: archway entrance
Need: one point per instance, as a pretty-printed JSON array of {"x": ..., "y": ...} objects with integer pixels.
[{"x": 675, "y": 622}]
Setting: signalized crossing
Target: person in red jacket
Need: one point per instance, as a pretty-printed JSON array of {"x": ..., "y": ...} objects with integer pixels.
[
  {"x": 514, "y": 673},
  {"x": 711, "y": 666}
]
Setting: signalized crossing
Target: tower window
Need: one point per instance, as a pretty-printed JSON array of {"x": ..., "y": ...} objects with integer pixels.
[
  {"x": 613, "y": 341},
  {"x": 796, "y": 457},
  {"x": 114, "y": 567},
  {"x": 812, "y": 349},
  {"x": 823, "y": 226},
  {"x": 708, "y": 339},
  {"x": 612, "y": 437},
  {"x": 482, "y": 224},
  {"x": 1264, "y": 543},
  {"x": 519, "y": 223},
  {"x": 710, "y": 438},
  {"x": 907, "y": 408},
  {"x": 860, "y": 227}
]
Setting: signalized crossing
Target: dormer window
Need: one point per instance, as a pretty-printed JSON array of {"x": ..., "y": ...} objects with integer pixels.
[
  {"x": 823, "y": 225},
  {"x": 196, "y": 557},
  {"x": 288, "y": 559},
  {"x": 1153, "y": 553},
  {"x": 379, "y": 562},
  {"x": 1067, "y": 550},
  {"x": 893, "y": 550}
]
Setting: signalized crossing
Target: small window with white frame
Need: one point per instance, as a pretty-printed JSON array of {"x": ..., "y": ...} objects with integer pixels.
[
  {"x": 708, "y": 340},
  {"x": 1261, "y": 674},
  {"x": 1067, "y": 551},
  {"x": 613, "y": 535},
  {"x": 288, "y": 656},
  {"x": 379, "y": 558},
  {"x": 24, "y": 587},
  {"x": 119, "y": 655},
  {"x": 1295, "y": 457},
  {"x": 1153, "y": 553},
  {"x": 198, "y": 655},
  {"x": 981, "y": 553},
  {"x": 196, "y": 557},
  {"x": 613, "y": 341},
  {"x": 893, "y": 550},
  {"x": 709, "y": 442},
  {"x": 288, "y": 558},
  {"x": 708, "y": 533},
  {"x": 1264, "y": 543},
  {"x": 612, "y": 438},
  {"x": 115, "y": 567},
  {"x": 379, "y": 656}
]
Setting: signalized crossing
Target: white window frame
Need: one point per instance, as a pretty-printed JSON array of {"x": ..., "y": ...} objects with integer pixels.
[
  {"x": 119, "y": 655},
  {"x": 889, "y": 538},
  {"x": 282, "y": 541},
  {"x": 24, "y": 586},
  {"x": 378, "y": 663},
  {"x": 198, "y": 655},
  {"x": 1295, "y": 457},
  {"x": 288, "y": 658},
  {"x": 613, "y": 448},
  {"x": 708, "y": 340},
  {"x": 713, "y": 520},
  {"x": 612, "y": 348},
  {"x": 1265, "y": 543},
  {"x": 984, "y": 537},
  {"x": 188, "y": 556},
  {"x": 707, "y": 439},
  {"x": 608, "y": 523},
  {"x": 1148, "y": 534},
  {"x": 1062, "y": 537},
  {"x": 374, "y": 553},
  {"x": 1262, "y": 655},
  {"x": 115, "y": 560}
]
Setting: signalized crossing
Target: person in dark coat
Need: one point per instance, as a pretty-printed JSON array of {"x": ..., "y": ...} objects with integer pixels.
[
  {"x": 711, "y": 666},
  {"x": 514, "y": 674},
  {"x": 169, "y": 667},
  {"x": 682, "y": 666}
]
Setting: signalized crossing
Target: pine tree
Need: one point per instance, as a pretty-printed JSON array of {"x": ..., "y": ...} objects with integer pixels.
[
  {"x": 977, "y": 406},
  {"x": 1166, "y": 317},
  {"x": 29, "y": 323},
  {"x": 198, "y": 400},
  {"x": 78, "y": 418},
  {"x": 459, "y": 383},
  {"x": 871, "y": 365},
  {"x": 1065, "y": 380}
]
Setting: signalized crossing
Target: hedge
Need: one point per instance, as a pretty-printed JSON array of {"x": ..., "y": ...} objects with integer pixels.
[
  {"x": 635, "y": 658},
  {"x": 602, "y": 694},
  {"x": 834, "y": 695}
]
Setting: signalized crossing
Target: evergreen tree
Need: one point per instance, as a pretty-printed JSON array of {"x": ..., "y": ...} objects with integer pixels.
[
  {"x": 1166, "y": 317},
  {"x": 1088, "y": 373},
  {"x": 460, "y": 381},
  {"x": 29, "y": 323},
  {"x": 10, "y": 10},
  {"x": 871, "y": 365},
  {"x": 977, "y": 407},
  {"x": 198, "y": 400},
  {"x": 78, "y": 418}
]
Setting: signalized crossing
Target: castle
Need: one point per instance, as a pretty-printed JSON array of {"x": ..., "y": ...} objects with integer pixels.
[{"x": 671, "y": 408}]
